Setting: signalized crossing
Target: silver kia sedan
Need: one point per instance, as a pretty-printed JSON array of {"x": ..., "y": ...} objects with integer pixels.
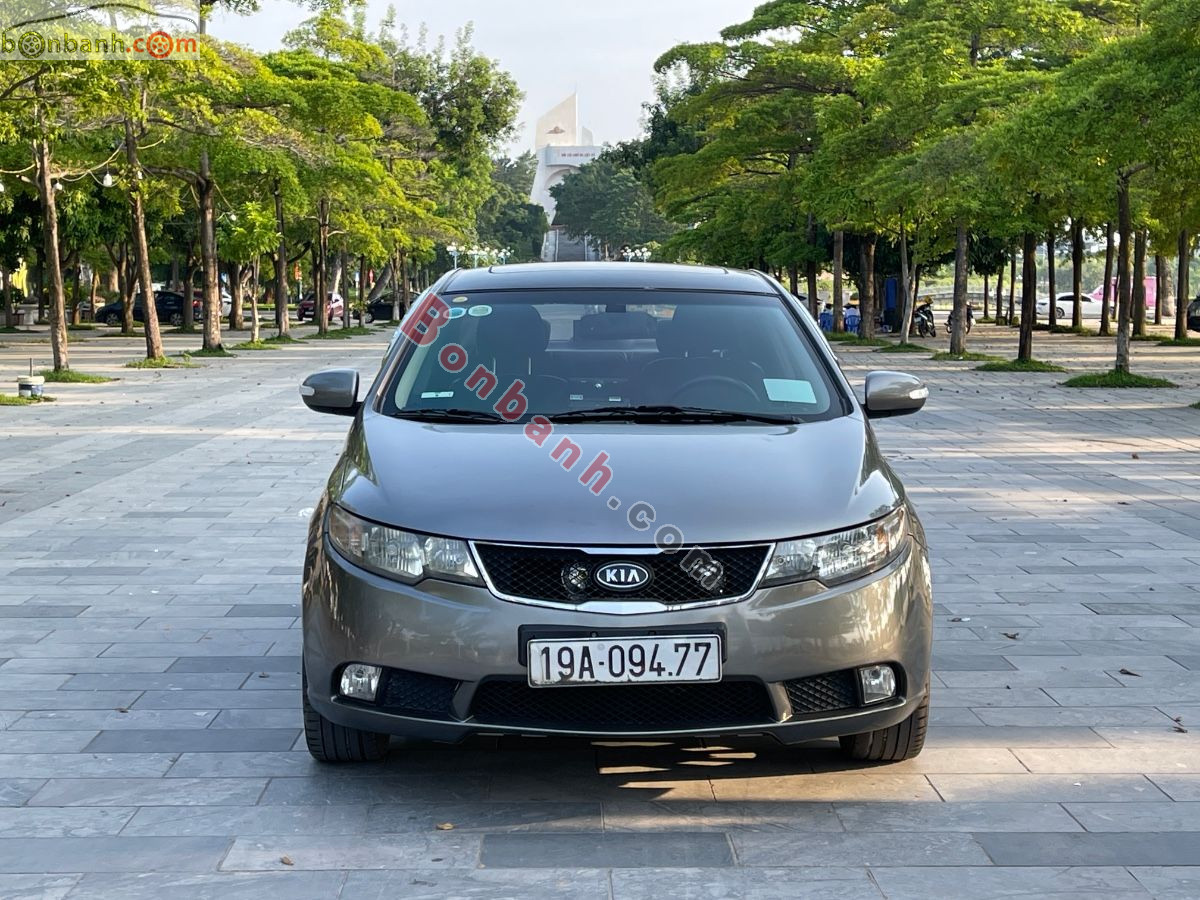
[{"x": 615, "y": 501}]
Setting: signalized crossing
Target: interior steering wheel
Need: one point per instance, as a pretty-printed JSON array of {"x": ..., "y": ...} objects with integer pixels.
[{"x": 724, "y": 381}]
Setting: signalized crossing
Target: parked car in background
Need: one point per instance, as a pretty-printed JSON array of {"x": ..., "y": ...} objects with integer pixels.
[
  {"x": 307, "y": 307},
  {"x": 226, "y": 300},
  {"x": 738, "y": 591},
  {"x": 1193, "y": 315},
  {"x": 1064, "y": 308},
  {"x": 381, "y": 310},
  {"x": 169, "y": 305}
]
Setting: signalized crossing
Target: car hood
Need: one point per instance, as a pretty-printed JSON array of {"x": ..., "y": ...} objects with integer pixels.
[{"x": 715, "y": 483}]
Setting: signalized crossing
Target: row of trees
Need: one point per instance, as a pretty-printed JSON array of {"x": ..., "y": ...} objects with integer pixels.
[
  {"x": 347, "y": 148},
  {"x": 885, "y": 138}
]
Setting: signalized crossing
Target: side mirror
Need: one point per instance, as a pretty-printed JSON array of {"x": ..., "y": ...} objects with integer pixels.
[
  {"x": 893, "y": 394},
  {"x": 332, "y": 391}
]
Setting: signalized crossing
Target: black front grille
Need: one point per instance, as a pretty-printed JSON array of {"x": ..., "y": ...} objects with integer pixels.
[
  {"x": 823, "y": 693},
  {"x": 407, "y": 693},
  {"x": 541, "y": 573},
  {"x": 638, "y": 707}
]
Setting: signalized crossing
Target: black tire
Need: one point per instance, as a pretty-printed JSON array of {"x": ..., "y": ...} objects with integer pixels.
[
  {"x": 901, "y": 741},
  {"x": 112, "y": 319},
  {"x": 368, "y": 317},
  {"x": 176, "y": 319},
  {"x": 332, "y": 743},
  {"x": 1058, "y": 313}
]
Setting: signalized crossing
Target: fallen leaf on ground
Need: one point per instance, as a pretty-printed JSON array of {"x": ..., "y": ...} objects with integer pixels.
[
  {"x": 1130, "y": 672},
  {"x": 1011, "y": 635},
  {"x": 1180, "y": 729},
  {"x": 445, "y": 826},
  {"x": 286, "y": 860},
  {"x": 1134, "y": 456}
]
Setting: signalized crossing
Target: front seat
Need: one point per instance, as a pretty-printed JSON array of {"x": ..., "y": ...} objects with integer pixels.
[
  {"x": 511, "y": 341},
  {"x": 710, "y": 342}
]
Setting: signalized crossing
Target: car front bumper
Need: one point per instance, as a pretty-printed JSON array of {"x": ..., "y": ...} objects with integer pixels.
[{"x": 465, "y": 634}]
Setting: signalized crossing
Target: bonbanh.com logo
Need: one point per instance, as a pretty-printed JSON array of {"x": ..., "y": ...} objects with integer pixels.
[{"x": 103, "y": 29}]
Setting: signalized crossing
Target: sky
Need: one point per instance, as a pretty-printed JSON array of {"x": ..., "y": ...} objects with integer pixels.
[{"x": 605, "y": 50}]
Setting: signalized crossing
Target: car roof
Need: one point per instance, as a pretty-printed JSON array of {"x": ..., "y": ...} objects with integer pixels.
[{"x": 635, "y": 275}]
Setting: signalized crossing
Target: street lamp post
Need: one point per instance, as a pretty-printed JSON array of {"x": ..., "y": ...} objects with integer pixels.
[
  {"x": 476, "y": 252},
  {"x": 504, "y": 255},
  {"x": 454, "y": 250},
  {"x": 642, "y": 254}
]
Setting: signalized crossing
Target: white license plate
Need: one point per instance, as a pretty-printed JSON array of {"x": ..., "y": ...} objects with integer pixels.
[{"x": 625, "y": 660}]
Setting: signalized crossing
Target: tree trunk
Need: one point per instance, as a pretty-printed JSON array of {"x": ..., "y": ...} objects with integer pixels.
[
  {"x": 141, "y": 249},
  {"x": 794, "y": 278},
  {"x": 1160, "y": 286},
  {"x": 45, "y": 188},
  {"x": 906, "y": 308},
  {"x": 1107, "y": 295},
  {"x": 839, "y": 301},
  {"x": 362, "y": 288},
  {"x": 93, "y": 295},
  {"x": 1012, "y": 286},
  {"x": 404, "y": 292},
  {"x": 76, "y": 289},
  {"x": 126, "y": 275},
  {"x": 379, "y": 288},
  {"x": 189, "y": 289},
  {"x": 1139, "y": 283},
  {"x": 210, "y": 303},
  {"x": 987, "y": 295},
  {"x": 866, "y": 298},
  {"x": 1028, "y": 295},
  {"x": 10, "y": 319},
  {"x": 1050, "y": 285},
  {"x": 958, "y": 329},
  {"x": 810, "y": 267},
  {"x": 254, "y": 289},
  {"x": 999, "y": 288},
  {"x": 281, "y": 285},
  {"x": 1184, "y": 250},
  {"x": 1125, "y": 229},
  {"x": 1077, "y": 273},
  {"x": 236, "y": 298},
  {"x": 320, "y": 273}
]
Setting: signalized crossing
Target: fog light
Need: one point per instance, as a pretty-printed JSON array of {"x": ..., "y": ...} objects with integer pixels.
[
  {"x": 360, "y": 681},
  {"x": 878, "y": 683}
]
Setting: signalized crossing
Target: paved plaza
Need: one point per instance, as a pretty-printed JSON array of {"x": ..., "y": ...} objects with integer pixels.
[{"x": 151, "y": 534}]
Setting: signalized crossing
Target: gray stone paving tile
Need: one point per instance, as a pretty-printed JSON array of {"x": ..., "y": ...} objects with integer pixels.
[
  {"x": 1161, "y": 815},
  {"x": 386, "y": 789},
  {"x": 110, "y": 719},
  {"x": 356, "y": 852},
  {"x": 961, "y": 817},
  {"x": 1161, "y": 848},
  {"x": 986, "y": 883},
  {"x": 111, "y": 854},
  {"x": 1059, "y": 716},
  {"x": 17, "y": 791},
  {"x": 1178, "y": 787},
  {"x": 44, "y": 741},
  {"x": 479, "y": 884},
  {"x": 845, "y": 849},
  {"x": 68, "y": 699},
  {"x": 879, "y": 784},
  {"x": 1169, "y": 882},
  {"x": 244, "y": 664},
  {"x": 976, "y": 736},
  {"x": 51, "y": 822},
  {"x": 82, "y": 765},
  {"x": 1172, "y": 758},
  {"x": 87, "y": 664},
  {"x": 969, "y": 662},
  {"x": 168, "y": 821},
  {"x": 192, "y": 739},
  {"x": 486, "y": 817},
  {"x": 255, "y": 718},
  {"x": 267, "y": 699},
  {"x": 166, "y": 681},
  {"x": 631, "y": 815},
  {"x": 149, "y": 792},
  {"x": 605, "y": 850},
  {"x": 219, "y": 886},
  {"x": 1046, "y": 788},
  {"x": 36, "y": 887},
  {"x": 284, "y": 609},
  {"x": 824, "y": 883},
  {"x": 46, "y": 611},
  {"x": 274, "y": 763}
]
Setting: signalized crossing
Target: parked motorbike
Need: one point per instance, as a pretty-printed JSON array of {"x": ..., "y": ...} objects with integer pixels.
[
  {"x": 970, "y": 320},
  {"x": 923, "y": 319}
]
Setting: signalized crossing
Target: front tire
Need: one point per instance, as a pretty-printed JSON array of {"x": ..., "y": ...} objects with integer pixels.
[
  {"x": 1058, "y": 312},
  {"x": 332, "y": 743},
  {"x": 112, "y": 319},
  {"x": 900, "y": 741}
]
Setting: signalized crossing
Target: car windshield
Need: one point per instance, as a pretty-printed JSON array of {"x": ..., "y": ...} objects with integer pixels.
[{"x": 615, "y": 354}]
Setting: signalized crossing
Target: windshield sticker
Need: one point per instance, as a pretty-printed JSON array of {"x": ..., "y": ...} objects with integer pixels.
[
  {"x": 479, "y": 311},
  {"x": 789, "y": 390},
  {"x": 460, "y": 299},
  {"x": 436, "y": 395},
  {"x": 456, "y": 312}
]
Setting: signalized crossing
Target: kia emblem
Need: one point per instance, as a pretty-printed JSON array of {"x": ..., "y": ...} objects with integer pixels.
[{"x": 622, "y": 576}]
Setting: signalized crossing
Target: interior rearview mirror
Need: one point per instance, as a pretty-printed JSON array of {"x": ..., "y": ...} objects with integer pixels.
[
  {"x": 332, "y": 391},
  {"x": 893, "y": 394}
]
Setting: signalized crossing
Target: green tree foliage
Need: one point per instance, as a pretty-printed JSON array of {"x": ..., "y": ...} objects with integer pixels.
[{"x": 607, "y": 204}]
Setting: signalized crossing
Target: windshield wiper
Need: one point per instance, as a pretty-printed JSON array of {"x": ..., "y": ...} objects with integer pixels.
[
  {"x": 666, "y": 413},
  {"x": 450, "y": 415}
]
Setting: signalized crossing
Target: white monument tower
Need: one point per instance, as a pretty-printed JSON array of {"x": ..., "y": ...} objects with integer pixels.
[{"x": 562, "y": 146}]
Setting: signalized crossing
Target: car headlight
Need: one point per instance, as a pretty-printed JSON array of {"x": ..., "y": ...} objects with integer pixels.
[
  {"x": 842, "y": 556},
  {"x": 405, "y": 555}
]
